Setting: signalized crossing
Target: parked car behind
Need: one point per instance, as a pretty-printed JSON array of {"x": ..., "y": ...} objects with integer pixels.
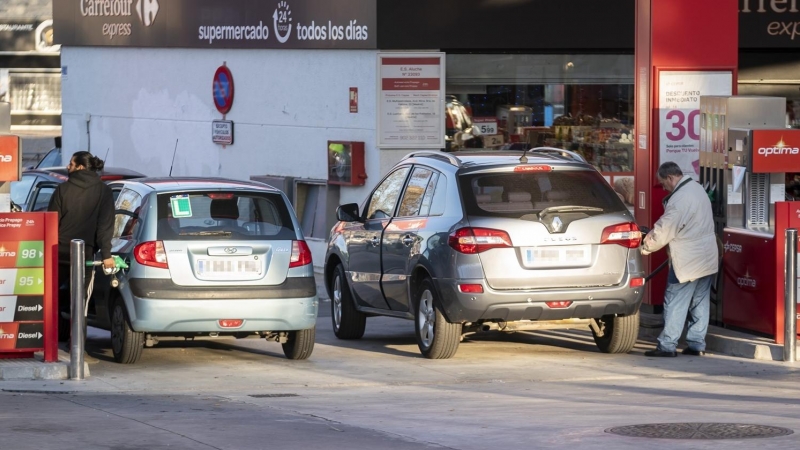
[
  {"x": 208, "y": 257},
  {"x": 476, "y": 241},
  {"x": 33, "y": 191}
]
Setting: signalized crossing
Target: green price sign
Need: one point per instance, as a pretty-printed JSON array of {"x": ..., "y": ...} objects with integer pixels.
[
  {"x": 30, "y": 254},
  {"x": 29, "y": 282}
]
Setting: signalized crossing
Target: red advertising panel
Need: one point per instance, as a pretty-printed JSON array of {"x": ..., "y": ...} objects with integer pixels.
[
  {"x": 10, "y": 160},
  {"x": 776, "y": 151},
  {"x": 28, "y": 286}
]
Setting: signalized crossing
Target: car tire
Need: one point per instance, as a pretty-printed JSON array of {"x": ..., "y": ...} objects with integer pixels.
[
  {"x": 348, "y": 322},
  {"x": 619, "y": 334},
  {"x": 126, "y": 344},
  {"x": 300, "y": 344},
  {"x": 436, "y": 337}
]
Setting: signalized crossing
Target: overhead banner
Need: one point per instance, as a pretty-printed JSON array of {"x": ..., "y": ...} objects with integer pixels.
[
  {"x": 217, "y": 23},
  {"x": 411, "y": 100},
  {"x": 679, "y": 114}
]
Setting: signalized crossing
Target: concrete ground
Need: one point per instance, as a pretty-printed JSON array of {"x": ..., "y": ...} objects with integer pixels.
[{"x": 545, "y": 390}]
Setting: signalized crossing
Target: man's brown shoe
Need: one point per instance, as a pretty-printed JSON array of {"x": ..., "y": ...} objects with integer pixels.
[
  {"x": 691, "y": 352},
  {"x": 660, "y": 353}
]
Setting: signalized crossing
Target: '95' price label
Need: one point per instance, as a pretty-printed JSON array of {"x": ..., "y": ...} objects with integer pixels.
[{"x": 21, "y": 281}]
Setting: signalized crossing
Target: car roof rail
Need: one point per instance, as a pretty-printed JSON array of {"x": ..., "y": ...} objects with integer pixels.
[
  {"x": 447, "y": 157},
  {"x": 558, "y": 152}
]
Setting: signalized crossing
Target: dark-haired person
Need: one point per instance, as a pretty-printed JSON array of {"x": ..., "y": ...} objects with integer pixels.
[
  {"x": 687, "y": 226},
  {"x": 85, "y": 207}
]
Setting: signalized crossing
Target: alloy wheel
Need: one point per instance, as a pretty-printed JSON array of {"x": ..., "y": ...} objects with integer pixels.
[
  {"x": 337, "y": 301},
  {"x": 426, "y": 317}
]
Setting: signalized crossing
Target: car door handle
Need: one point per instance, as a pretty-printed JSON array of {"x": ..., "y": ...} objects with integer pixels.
[
  {"x": 407, "y": 240},
  {"x": 375, "y": 241}
]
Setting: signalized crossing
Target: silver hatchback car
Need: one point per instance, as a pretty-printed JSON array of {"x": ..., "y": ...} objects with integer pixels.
[
  {"x": 476, "y": 241},
  {"x": 207, "y": 257}
]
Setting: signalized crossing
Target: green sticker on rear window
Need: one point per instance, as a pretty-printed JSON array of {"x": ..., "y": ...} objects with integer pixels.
[{"x": 181, "y": 206}]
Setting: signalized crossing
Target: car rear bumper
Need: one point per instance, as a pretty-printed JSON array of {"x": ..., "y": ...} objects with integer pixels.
[
  {"x": 530, "y": 305},
  {"x": 159, "y": 307}
]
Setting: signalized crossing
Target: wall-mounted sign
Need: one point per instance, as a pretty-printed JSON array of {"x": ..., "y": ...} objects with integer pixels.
[
  {"x": 353, "y": 99},
  {"x": 222, "y": 132},
  {"x": 217, "y": 24},
  {"x": 411, "y": 100},
  {"x": 679, "y": 114},
  {"x": 222, "y": 89}
]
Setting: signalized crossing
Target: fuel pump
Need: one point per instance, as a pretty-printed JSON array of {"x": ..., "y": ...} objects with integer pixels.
[{"x": 745, "y": 151}]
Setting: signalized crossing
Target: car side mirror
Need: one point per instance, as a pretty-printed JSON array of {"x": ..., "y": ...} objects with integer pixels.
[{"x": 348, "y": 213}]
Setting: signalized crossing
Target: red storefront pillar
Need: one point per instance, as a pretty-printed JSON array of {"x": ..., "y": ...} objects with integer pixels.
[{"x": 684, "y": 49}]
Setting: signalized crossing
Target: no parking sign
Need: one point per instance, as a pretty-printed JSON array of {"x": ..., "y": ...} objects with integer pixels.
[{"x": 223, "y": 89}]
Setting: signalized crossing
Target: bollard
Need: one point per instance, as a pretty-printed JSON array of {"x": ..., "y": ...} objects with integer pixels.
[
  {"x": 77, "y": 271},
  {"x": 790, "y": 298}
]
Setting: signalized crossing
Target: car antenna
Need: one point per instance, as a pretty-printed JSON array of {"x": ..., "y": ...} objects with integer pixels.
[
  {"x": 173, "y": 158},
  {"x": 107, "y": 152},
  {"x": 524, "y": 159}
]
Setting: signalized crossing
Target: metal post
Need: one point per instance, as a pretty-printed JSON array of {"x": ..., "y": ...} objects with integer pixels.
[
  {"x": 790, "y": 298},
  {"x": 77, "y": 271}
]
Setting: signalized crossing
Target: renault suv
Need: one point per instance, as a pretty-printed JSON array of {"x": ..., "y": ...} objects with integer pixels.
[
  {"x": 468, "y": 242},
  {"x": 207, "y": 257}
]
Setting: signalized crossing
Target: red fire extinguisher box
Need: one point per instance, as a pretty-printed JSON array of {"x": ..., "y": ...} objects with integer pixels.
[
  {"x": 28, "y": 285},
  {"x": 346, "y": 163},
  {"x": 753, "y": 271}
]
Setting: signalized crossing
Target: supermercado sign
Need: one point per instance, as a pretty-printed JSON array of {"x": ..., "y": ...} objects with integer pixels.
[
  {"x": 776, "y": 151},
  {"x": 270, "y": 24}
]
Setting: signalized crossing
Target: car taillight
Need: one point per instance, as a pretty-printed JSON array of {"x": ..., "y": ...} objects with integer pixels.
[
  {"x": 637, "y": 282},
  {"x": 624, "y": 234},
  {"x": 230, "y": 323},
  {"x": 471, "y": 288},
  {"x": 151, "y": 254},
  {"x": 559, "y": 304},
  {"x": 477, "y": 240},
  {"x": 110, "y": 177},
  {"x": 301, "y": 254}
]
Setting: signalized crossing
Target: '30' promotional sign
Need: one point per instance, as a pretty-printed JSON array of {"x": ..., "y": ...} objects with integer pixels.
[{"x": 679, "y": 114}]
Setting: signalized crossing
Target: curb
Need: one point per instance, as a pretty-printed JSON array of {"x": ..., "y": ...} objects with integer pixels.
[{"x": 36, "y": 369}]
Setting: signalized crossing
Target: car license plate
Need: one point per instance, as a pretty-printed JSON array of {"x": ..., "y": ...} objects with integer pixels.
[
  {"x": 222, "y": 266},
  {"x": 557, "y": 256}
]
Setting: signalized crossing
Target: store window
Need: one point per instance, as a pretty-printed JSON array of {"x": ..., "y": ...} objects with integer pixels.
[{"x": 582, "y": 103}]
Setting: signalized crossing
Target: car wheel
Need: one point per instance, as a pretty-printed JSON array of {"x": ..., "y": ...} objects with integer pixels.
[
  {"x": 126, "y": 344},
  {"x": 436, "y": 337},
  {"x": 619, "y": 333},
  {"x": 348, "y": 322},
  {"x": 300, "y": 344}
]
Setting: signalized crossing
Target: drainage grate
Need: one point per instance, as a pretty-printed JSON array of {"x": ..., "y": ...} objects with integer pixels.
[
  {"x": 28, "y": 391},
  {"x": 700, "y": 431},
  {"x": 272, "y": 395}
]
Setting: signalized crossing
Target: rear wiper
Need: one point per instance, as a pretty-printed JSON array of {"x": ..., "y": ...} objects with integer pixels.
[
  {"x": 207, "y": 233},
  {"x": 557, "y": 209}
]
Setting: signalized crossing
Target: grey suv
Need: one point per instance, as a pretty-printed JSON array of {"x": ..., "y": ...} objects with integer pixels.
[{"x": 477, "y": 241}]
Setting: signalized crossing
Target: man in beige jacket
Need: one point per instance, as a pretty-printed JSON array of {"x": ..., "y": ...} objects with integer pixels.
[{"x": 687, "y": 226}]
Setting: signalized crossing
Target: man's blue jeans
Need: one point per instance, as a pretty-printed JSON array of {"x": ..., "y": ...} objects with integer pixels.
[{"x": 693, "y": 298}]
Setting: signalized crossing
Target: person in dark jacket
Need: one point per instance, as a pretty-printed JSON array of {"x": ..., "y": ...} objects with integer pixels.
[{"x": 85, "y": 207}]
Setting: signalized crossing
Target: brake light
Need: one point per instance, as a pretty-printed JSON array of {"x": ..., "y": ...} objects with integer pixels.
[
  {"x": 637, "y": 282},
  {"x": 624, "y": 234},
  {"x": 230, "y": 323},
  {"x": 301, "y": 254},
  {"x": 471, "y": 288},
  {"x": 533, "y": 168},
  {"x": 477, "y": 240},
  {"x": 226, "y": 196},
  {"x": 110, "y": 177},
  {"x": 151, "y": 254},
  {"x": 560, "y": 304}
]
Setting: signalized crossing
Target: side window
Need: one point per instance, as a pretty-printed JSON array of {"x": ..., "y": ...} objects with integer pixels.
[
  {"x": 438, "y": 202},
  {"x": 42, "y": 200},
  {"x": 128, "y": 200},
  {"x": 115, "y": 193},
  {"x": 21, "y": 189},
  {"x": 384, "y": 197},
  {"x": 415, "y": 192}
]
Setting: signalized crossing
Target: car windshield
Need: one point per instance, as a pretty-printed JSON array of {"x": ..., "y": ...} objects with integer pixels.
[
  {"x": 533, "y": 194},
  {"x": 224, "y": 215},
  {"x": 51, "y": 159}
]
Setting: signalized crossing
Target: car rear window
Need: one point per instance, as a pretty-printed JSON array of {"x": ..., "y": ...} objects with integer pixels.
[
  {"x": 224, "y": 215},
  {"x": 516, "y": 194}
]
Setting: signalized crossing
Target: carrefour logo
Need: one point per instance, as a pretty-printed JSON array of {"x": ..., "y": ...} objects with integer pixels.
[
  {"x": 733, "y": 248},
  {"x": 779, "y": 149},
  {"x": 147, "y": 10}
]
